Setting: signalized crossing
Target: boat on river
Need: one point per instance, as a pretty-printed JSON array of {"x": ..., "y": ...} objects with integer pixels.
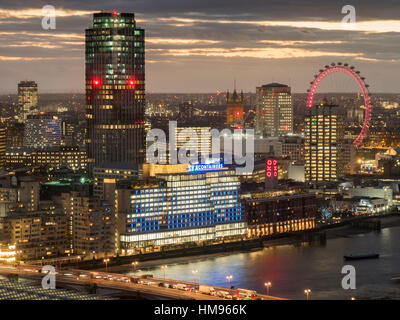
[{"x": 361, "y": 256}]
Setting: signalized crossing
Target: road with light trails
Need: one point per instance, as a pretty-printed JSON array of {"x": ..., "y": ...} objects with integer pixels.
[{"x": 121, "y": 282}]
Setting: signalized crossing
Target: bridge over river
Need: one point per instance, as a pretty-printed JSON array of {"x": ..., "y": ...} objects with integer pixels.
[{"x": 119, "y": 286}]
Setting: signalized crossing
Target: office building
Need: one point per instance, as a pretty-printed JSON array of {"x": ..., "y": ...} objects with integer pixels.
[
  {"x": 36, "y": 229},
  {"x": 274, "y": 110},
  {"x": 293, "y": 148},
  {"x": 196, "y": 140},
  {"x": 15, "y": 134},
  {"x": 27, "y": 99},
  {"x": 91, "y": 224},
  {"x": 324, "y": 133},
  {"x": 199, "y": 204},
  {"x": 273, "y": 212},
  {"x": 36, "y": 235},
  {"x": 58, "y": 157},
  {"x": 18, "y": 158},
  {"x": 42, "y": 132},
  {"x": 115, "y": 89},
  {"x": 109, "y": 174},
  {"x": 16, "y": 194}
]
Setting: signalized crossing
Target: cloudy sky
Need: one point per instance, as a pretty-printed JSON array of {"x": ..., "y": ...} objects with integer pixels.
[{"x": 202, "y": 45}]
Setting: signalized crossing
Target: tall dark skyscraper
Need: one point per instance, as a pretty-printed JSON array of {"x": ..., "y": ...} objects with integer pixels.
[{"x": 115, "y": 89}]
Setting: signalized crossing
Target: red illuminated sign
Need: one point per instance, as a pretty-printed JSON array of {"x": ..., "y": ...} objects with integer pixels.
[{"x": 271, "y": 168}]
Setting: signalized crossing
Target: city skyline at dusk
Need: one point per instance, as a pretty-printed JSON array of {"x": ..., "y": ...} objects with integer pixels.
[
  {"x": 201, "y": 47},
  {"x": 209, "y": 151}
]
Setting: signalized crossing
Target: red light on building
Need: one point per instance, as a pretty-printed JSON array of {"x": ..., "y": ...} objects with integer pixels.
[
  {"x": 237, "y": 113},
  {"x": 131, "y": 82},
  {"x": 114, "y": 13},
  {"x": 96, "y": 82}
]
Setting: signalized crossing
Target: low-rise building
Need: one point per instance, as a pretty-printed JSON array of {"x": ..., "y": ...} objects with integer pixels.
[
  {"x": 57, "y": 157},
  {"x": 35, "y": 235},
  {"x": 91, "y": 225},
  {"x": 111, "y": 173},
  {"x": 273, "y": 212}
]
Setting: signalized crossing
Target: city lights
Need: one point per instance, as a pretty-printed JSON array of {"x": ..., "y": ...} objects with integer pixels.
[
  {"x": 229, "y": 278},
  {"x": 308, "y": 293},
  {"x": 268, "y": 286},
  {"x": 155, "y": 164}
]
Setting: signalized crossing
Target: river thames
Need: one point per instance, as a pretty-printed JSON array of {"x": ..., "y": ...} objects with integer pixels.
[{"x": 293, "y": 268}]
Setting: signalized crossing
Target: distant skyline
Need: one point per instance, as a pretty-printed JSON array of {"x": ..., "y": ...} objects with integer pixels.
[{"x": 202, "y": 46}]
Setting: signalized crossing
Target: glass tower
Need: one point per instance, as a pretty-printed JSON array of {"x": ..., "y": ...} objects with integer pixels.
[
  {"x": 324, "y": 149},
  {"x": 115, "y": 89},
  {"x": 274, "y": 114},
  {"x": 183, "y": 207}
]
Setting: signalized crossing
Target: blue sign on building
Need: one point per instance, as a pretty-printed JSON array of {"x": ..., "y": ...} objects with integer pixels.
[{"x": 206, "y": 167}]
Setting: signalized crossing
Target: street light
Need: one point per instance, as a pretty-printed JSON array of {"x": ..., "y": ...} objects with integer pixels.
[
  {"x": 164, "y": 267},
  {"x": 194, "y": 274},
  {"x": 268, "y": 285},
  {"x": 229, "y": 278},
  {"x": 78, "y": 258},
  {"x": 307, "y": 292},
  {"x": 134, "y": 264},
  {"x": 353, "y": 298},
  {"x": 106, "y": 262}
]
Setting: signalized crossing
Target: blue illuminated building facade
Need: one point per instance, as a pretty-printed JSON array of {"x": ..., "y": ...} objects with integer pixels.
[{"x": 186, "y": 207}]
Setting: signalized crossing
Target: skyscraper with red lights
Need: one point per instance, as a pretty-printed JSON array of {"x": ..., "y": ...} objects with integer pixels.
[{"x": 115, "y": 89}]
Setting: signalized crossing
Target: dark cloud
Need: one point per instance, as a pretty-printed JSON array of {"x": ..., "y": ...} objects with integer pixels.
[{"x": 57, "y": 56}]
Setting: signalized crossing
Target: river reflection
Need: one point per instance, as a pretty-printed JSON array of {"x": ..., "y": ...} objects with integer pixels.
[{"x": 291, "y": 269}]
